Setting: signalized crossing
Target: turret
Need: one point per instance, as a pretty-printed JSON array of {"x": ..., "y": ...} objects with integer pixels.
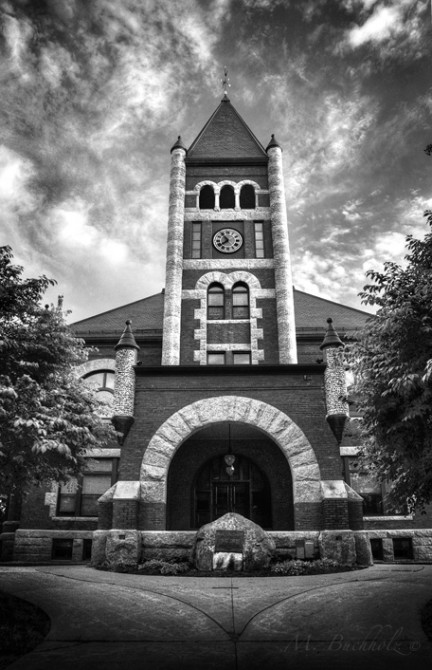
[
  {"x": 124, "y": 384},
  {"x": 335, "y": 381}
]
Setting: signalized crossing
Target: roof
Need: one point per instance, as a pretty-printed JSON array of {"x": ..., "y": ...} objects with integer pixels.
[
  {"x": 226, "y": 136},
  {"x": 146, "y": 315}
]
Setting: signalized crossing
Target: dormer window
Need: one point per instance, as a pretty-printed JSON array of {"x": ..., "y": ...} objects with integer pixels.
[
  {"x": 207, "y": 198},
  {"x": 247, "y": 197},
  {"x": 227, "y": 197}
]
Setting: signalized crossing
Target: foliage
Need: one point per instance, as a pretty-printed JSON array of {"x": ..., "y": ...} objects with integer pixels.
[
  {"x": 157, "y": 566},
  {"x": 296, "y": 567},
  {"x": 392, "y": 363},
  {"x": 47, "y": 416}
]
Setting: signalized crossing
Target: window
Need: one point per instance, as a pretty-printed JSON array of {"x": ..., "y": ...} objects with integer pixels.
[
  {"x": 102, "y": 383},
  {"x": 196, "y": 239},
  {"x": 206, "y": 198},
  {"x": 227, "y": 198},
  {"x": 62, "y": 549},
  {"x": 214, "y": 358},
  {"x": 259, "y": 240},
  {"x": 216, "y": 302},
  {"x": 241, "y": 358},
  {"x": 375, "y": 495},
  {"x": 247, "y": 197},
  {"x": 78, "y": 497},
  {"x": 240, "y": 294},
  {"x": 402, "y": 548}
]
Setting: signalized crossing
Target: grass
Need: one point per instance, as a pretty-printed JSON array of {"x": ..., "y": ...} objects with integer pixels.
[{"x": 22, "y": 627}]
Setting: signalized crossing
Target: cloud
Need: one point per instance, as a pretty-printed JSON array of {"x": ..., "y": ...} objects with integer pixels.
[{"x": 394, "y": 29}]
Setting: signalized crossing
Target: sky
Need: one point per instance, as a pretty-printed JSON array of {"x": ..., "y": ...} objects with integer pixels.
[{"x": 95, "y": 93}]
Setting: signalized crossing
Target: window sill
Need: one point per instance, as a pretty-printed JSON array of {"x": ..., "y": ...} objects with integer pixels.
[
  {"x": 74, "y": 518},
  {"x": 389, "y": 517}
]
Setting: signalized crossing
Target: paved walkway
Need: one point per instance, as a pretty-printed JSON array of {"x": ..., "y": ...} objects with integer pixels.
[{"x": 105, "y": 621}]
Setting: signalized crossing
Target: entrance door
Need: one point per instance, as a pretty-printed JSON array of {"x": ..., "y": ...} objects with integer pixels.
[
  {"x": 247, "y": 492},
  {"x": 229, "y": 496}
]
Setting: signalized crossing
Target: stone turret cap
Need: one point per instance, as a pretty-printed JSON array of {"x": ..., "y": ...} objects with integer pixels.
[
  {"x": 127, "y": 340},
  {"x": 273, "y": 143},
  {"x": 331, "y": 338},
  {"x": 178, "y": 145}
]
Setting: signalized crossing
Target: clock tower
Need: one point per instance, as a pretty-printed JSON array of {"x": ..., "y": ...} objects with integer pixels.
[{"x": 229, "y": 294}]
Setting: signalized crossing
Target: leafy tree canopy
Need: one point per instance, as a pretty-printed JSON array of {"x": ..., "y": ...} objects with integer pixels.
[
  {"x": 47, "y": 415},
  {"x": 392, "y": 362}
]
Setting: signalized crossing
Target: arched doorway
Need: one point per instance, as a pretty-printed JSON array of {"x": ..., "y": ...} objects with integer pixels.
[
  {"x": 245, "y": 491},
  {"x": 200, "y": 490}
]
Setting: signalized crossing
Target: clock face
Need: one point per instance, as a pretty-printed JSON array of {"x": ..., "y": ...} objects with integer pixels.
[{"x": 227, "y": 240}]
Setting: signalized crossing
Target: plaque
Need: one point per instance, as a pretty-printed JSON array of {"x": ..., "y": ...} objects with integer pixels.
[{"x": 229, "y": 541}]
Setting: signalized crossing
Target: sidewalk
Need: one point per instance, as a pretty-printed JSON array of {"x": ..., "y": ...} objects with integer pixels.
[{"x": 102, "y": 621}]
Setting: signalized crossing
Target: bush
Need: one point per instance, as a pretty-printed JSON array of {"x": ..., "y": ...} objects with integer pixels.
[
  {"x": 320, "y": 566},
  {"x": 158, "y": 566}
]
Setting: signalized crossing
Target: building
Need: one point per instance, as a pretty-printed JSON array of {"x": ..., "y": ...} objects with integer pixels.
[{"x": 228, "y": 388}]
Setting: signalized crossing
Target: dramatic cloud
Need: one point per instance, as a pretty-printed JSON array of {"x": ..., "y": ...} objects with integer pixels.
[{"x": 95, "y": 93}]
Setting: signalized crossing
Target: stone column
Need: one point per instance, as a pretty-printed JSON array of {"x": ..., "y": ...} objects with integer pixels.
[
  {"x": 283, "y": 278},
  {"x": 174, "y": 263},
  {"x": 124, "y": 383},
  {"x": 335, "y": 381}
]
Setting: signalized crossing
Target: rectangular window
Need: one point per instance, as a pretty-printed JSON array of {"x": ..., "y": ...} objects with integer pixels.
[
  {"x": 259, "y": 240},
  {"x": 375, "y": 495},
  {"x": 241, "y": 358},
  {"x": 216, "y": 358},
  {"x": 78, "y": 497},
  {"x": 196, "y": 239}
]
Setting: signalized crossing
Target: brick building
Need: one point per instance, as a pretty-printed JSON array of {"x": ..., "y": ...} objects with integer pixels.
[{"x": 228, "y": 387}]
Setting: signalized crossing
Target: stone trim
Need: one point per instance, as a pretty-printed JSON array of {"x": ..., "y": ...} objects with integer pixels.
[
  {"x": 174, "y": 262},
  {"x": 350, "y": 451},
  {"x": 271, "y": 421},
  {"x": 95, "y": 366},
  {"x": 217, "y": 187},
  {"x": 257, "y": 214},
  {"x": 281, "y": 251},
  {"x": 228, "y": 263},
  {"x": 255, "y": 313}
]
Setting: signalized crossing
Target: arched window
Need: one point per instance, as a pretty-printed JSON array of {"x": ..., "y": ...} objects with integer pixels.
[
  {"x": 227, "y": 198},
  {"x": 206, "y": 197},
  {"x": 247, "y": 197},
  {"x": 102, "y": 383},
  {"x": 216, "y": 302},
  {"x": 240, "y": 294}
]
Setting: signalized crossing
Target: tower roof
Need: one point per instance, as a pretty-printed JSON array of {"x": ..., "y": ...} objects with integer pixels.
[{"x": 226, "y": 137}]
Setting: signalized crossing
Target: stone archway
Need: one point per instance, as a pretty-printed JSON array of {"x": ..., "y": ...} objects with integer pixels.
[{"x": 274, "y": 423}]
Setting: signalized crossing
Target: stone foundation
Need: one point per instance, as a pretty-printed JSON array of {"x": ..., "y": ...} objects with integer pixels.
[{"x": 37, "y": 546}]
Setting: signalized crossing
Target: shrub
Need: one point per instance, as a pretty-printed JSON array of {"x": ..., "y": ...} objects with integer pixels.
[{"x": 320, "y": 566}]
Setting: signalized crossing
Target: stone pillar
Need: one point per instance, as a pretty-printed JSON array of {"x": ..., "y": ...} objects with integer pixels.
[
  {"x": 124, "y": 384},
  {"x": 335, "y": 382},
  {"x": 174, "y": 262},
  {"x": 283, "y": 279}
]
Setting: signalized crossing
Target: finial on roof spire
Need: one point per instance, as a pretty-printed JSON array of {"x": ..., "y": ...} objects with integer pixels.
[{"x": 225, "y": 84}]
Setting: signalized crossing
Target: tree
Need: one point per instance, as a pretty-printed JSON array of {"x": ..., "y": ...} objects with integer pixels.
[
  {"x": 47, "y": 415},
  {"x": 392, "y": 363}
]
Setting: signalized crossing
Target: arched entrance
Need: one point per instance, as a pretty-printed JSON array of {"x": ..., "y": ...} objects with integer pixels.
[
  {"x": 289, "y": 442},
  {"x": 259, "y": 486}
]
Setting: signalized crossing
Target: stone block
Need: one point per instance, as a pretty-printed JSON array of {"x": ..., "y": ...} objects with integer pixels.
[
  {"x": 387, "y": 548},
  {"x": 248, "y": 539},
  {"x": 338, "y": 545},
  {"x": 363, "y": 549},
  {"x": 98, "y": 556},
  {"x": 123, "y": 547}
]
